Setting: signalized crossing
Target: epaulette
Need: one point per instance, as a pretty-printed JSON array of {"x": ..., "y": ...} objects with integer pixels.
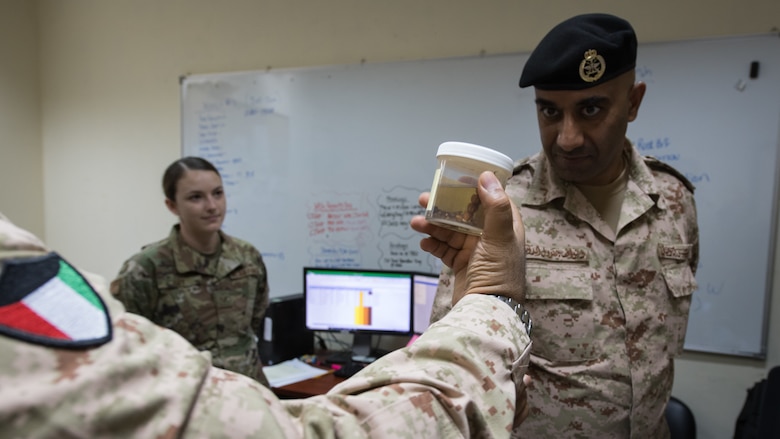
[
  {"x": 154, "y": 244},
  {"x": 658, "y": 165}
]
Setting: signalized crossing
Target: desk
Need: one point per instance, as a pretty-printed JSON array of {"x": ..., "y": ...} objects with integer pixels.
[{"x": 307, "y": 388}]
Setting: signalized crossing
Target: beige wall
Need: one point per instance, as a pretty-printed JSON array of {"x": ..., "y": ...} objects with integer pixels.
[
  {"x": 109, "y": 74},
  {"x": 21, "y": 158}
]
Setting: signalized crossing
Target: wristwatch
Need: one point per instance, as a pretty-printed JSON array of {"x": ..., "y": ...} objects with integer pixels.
[{"x": 520, "y": 310}]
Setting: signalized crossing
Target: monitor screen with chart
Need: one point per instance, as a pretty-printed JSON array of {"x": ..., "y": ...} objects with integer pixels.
[{"x": 361, "y": 301}]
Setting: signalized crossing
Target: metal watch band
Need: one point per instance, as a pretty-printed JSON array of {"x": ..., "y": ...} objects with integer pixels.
[{"x": 520, "y": 310}]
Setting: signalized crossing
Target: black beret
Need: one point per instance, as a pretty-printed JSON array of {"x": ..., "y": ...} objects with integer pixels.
[{"x": 581, "y": 52}]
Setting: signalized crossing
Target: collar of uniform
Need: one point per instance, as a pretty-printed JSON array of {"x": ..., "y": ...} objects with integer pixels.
[
  {"x": 188, "y": 260},
  {"x": 227, "y": 258},
  {"x": 640, "y": 175},
  {"x": 546, "y": 186}
]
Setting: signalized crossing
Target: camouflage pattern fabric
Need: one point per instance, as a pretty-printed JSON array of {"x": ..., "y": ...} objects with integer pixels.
[
  {"x": 148, "y": 382},
  {"x": 609, "y": 317},
  {"x": 216, "y": 302}
]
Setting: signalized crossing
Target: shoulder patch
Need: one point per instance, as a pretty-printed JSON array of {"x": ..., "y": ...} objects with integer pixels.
[
  {"x": 46, "y": 301},
  {"x": 657, "y": 165}
]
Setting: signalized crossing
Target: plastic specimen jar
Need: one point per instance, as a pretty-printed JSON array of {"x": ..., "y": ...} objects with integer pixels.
[{"x": 454, "y": 202}]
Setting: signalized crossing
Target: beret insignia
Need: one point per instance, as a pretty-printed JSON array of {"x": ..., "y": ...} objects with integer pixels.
[{"x": 592, "y": 66}]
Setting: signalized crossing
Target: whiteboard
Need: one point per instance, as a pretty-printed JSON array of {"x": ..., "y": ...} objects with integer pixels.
[{"x": 322, "y": 166}]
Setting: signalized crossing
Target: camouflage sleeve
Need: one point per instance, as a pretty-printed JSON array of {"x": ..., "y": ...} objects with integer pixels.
[
  {"x": 693, "y": 230},
  {"x": 442, "y": 302},
  {"x": 135, "y": 288},
  {"x": 262, "y": 297},
  {"x": 461, "y": 378}
]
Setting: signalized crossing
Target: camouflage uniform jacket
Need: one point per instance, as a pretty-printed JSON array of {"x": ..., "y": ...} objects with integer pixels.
[
  {"x": 148, "y": 382},
  {"x": 609, "y": 316},
  {"x": 216, "y": 303}
]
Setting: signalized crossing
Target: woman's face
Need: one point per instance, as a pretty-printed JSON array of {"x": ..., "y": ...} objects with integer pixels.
[{"x": 200, "y": 202}]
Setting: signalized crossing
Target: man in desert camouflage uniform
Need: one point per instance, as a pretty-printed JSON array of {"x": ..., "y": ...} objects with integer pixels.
[
  {"x": 81, "y": 366},
  {"x": 216, "y": 302},
  {"x": 611, "y": 244}
]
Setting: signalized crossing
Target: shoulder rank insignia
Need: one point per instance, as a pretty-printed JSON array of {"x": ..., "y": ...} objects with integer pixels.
[
  {"x": 592, "y": 66},
  {"x": 655, "y": 164},
  {"x": 45, "y": 301}
]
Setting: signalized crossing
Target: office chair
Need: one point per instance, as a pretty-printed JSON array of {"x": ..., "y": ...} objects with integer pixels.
[
  {"x": 759, "y": 417},
  {"x": 680, "y": 418},
  {"x": 769, "y": 417}
]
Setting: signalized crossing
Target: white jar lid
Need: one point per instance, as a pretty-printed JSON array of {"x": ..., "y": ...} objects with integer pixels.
[{"x": 475, "y": 152}]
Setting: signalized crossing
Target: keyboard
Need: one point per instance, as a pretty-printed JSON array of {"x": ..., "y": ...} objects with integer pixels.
[
  {"x": 349, "y": 369},
  {"x": 340, "y": 357}
]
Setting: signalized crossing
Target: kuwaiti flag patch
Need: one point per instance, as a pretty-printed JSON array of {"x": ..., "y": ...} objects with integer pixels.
[{"x": 45, "y": 301}]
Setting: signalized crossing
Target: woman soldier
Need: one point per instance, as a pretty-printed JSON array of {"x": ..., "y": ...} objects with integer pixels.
[{"x": 209, "y": 287}]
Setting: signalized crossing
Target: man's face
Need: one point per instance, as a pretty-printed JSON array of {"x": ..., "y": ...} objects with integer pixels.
[{"x": 583, "y": 132}]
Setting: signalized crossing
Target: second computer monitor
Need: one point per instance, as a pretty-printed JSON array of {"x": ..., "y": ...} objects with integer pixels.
[{"x": 424, "y": 290}]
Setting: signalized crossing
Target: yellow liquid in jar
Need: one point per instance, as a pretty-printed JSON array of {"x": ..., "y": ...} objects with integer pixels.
[{"x": 459, "y": 206}]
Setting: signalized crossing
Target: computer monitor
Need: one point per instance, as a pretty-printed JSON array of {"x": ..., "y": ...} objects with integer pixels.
[
  {"x": 424, "y": 290},
  {"x": 361, "y": 301}
]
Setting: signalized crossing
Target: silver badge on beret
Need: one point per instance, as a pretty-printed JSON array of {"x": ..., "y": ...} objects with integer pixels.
[{"x": 592, "y": 66}]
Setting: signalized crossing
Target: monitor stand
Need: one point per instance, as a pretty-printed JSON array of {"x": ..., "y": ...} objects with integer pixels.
[{"x": 361, "y": 345}]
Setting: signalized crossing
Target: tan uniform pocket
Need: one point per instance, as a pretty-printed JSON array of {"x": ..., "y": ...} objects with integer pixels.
[{"x": 559, "y": 296}]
